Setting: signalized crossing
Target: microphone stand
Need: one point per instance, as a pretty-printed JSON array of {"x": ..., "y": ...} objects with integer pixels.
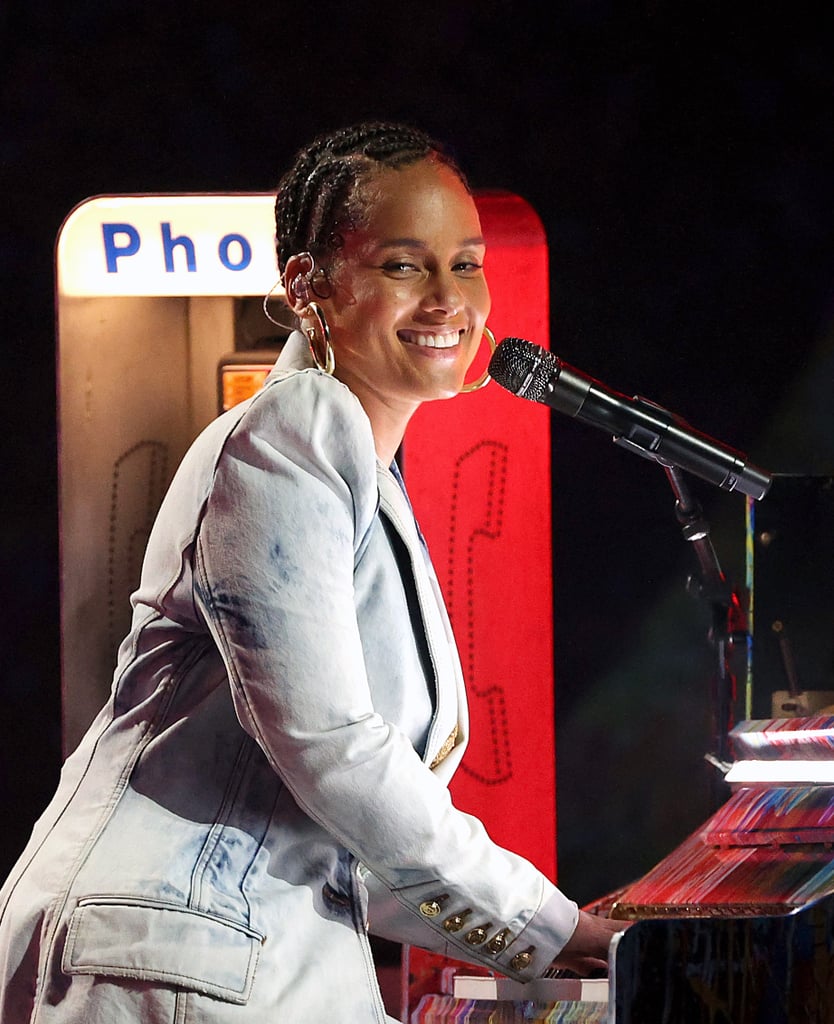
[{"x": 727, "y": 625}]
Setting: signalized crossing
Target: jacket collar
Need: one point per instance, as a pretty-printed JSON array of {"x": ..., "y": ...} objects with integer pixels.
[{"x": 295, "y": 355}]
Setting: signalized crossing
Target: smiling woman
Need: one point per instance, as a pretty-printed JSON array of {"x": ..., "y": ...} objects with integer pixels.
[
  {"x": 268, "y": 782},
  {"x": 405, "y": 295}
]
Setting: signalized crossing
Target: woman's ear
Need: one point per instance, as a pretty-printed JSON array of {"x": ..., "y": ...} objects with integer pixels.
[{"x": 297, "y": 281}]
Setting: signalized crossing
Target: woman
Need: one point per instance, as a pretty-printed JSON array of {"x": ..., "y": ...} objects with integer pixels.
[{"x": 268, "y": 779}]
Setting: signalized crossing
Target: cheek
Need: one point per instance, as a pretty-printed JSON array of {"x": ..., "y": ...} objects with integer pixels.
[
  {"x": 484, "y": 300},
  {"x": 388, "y": 303},
  {"x": 384, "y": 313},
  {"x": 372, "y": 302},
  {"x": 400, "y": 295}
]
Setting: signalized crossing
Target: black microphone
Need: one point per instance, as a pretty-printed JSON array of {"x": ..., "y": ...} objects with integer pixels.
[{"x": 530, "y": 371}]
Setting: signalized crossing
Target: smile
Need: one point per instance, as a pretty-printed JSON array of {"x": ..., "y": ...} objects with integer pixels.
[{"x": 426, "y": 340}]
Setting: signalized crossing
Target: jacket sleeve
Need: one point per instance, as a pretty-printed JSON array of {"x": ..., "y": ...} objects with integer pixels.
[{"x": 293, "y": 499}]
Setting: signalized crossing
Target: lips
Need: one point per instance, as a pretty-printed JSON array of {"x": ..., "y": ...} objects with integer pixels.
[{"x": 426, "y": 339}]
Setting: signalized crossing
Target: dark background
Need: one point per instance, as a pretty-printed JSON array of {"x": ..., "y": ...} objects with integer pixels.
[{"x": 680, "y": 157}]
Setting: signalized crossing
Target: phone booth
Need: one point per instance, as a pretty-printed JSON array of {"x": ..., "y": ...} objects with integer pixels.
[{"x": 160, "y": 326}]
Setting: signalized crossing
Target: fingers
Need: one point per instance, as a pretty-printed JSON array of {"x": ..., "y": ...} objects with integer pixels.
[
  {"x": 581, "y": 965},
  {"x": 587, "y": 949}
]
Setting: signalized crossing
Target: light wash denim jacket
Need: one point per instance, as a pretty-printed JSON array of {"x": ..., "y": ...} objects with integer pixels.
[{"x": 259, "y": 790}]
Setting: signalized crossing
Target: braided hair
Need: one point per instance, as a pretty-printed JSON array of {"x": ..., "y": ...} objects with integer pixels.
[{"x": 320, "y": 194}]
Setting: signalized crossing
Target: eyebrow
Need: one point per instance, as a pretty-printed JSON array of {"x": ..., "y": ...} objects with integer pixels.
[{"x": 417, "y": 243}]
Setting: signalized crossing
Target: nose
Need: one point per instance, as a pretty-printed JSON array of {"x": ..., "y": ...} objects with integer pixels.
[{"x": 443, "y": 294}]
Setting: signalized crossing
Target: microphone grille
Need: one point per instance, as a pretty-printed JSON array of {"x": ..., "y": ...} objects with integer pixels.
[{"x": 523, "y": 368}]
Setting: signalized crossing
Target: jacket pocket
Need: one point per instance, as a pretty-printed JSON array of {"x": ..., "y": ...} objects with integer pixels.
[{"x": 148, "y": 940}]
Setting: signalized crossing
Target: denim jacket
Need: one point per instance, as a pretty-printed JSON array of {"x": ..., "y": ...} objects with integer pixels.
[{"x": 268, "y": 780}]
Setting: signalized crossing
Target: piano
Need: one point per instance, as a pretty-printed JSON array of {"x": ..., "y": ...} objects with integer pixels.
[{"x": 735, "y": 926}]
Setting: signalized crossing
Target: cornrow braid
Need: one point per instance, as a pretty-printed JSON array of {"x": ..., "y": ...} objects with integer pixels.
[{"x": 319, "y": 195}]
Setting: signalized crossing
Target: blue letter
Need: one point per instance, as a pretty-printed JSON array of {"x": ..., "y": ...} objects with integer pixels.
[
  {"x": 169, "y": 243},
  {"x": 245, "y": 252},
  {"x": 112, "y": 251}
]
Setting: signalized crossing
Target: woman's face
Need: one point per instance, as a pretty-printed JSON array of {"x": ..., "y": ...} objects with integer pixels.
[{"x": 409, "y": 297}]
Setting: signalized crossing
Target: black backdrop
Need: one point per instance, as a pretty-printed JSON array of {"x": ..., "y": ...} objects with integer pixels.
[{"x": 680, "y": 157}]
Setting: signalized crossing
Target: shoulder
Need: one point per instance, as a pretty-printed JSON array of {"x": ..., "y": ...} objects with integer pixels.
[
  {"x": 309, "y": 424},
  {"x": 313, "y": 411}
]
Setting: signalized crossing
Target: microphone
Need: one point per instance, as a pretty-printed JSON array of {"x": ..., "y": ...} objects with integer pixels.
[{"x": 641, "y": 426}]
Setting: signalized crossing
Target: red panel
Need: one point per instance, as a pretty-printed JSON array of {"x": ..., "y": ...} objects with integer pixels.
[{"x": 478, "y": 472}]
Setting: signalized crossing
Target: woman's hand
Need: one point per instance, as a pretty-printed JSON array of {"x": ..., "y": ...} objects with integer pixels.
[{"x": 586, "y": 951}]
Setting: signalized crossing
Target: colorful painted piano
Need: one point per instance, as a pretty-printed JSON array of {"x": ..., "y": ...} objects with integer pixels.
[{"x": 735, "y": 926}]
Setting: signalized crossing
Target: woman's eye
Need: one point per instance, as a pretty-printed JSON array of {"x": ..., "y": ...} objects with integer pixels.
[
  {"x": 399, "y": 267},
  {"x": 468, "y": 267}
]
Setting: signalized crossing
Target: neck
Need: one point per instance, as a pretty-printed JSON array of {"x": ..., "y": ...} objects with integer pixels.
[
  {"x": 388, "y": 432},
  {"x": 388, "y": 420}
]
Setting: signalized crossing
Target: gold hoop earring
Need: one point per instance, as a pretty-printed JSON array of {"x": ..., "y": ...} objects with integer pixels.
[
  {"x": 485, "y": 378},
  {"x": 328, "y": 364}
]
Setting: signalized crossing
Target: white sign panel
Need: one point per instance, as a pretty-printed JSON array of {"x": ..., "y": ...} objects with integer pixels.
[{"x": 169, "y": 245}]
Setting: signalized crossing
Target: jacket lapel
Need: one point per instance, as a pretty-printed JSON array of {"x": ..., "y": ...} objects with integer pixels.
[{"x": 449, "y": 727}]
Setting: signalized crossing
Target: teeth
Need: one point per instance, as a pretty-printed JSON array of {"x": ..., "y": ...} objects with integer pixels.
[{"x": 430, "y": 340}]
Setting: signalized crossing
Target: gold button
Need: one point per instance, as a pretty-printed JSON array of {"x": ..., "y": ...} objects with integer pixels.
[
  {"x": 431, "y": 908},
  {"x": 522, "y": 960},
  {"x": 499, "y": 941},
  {"x": 456, "y": 921},
  {"x": 477, "y": 935}
]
